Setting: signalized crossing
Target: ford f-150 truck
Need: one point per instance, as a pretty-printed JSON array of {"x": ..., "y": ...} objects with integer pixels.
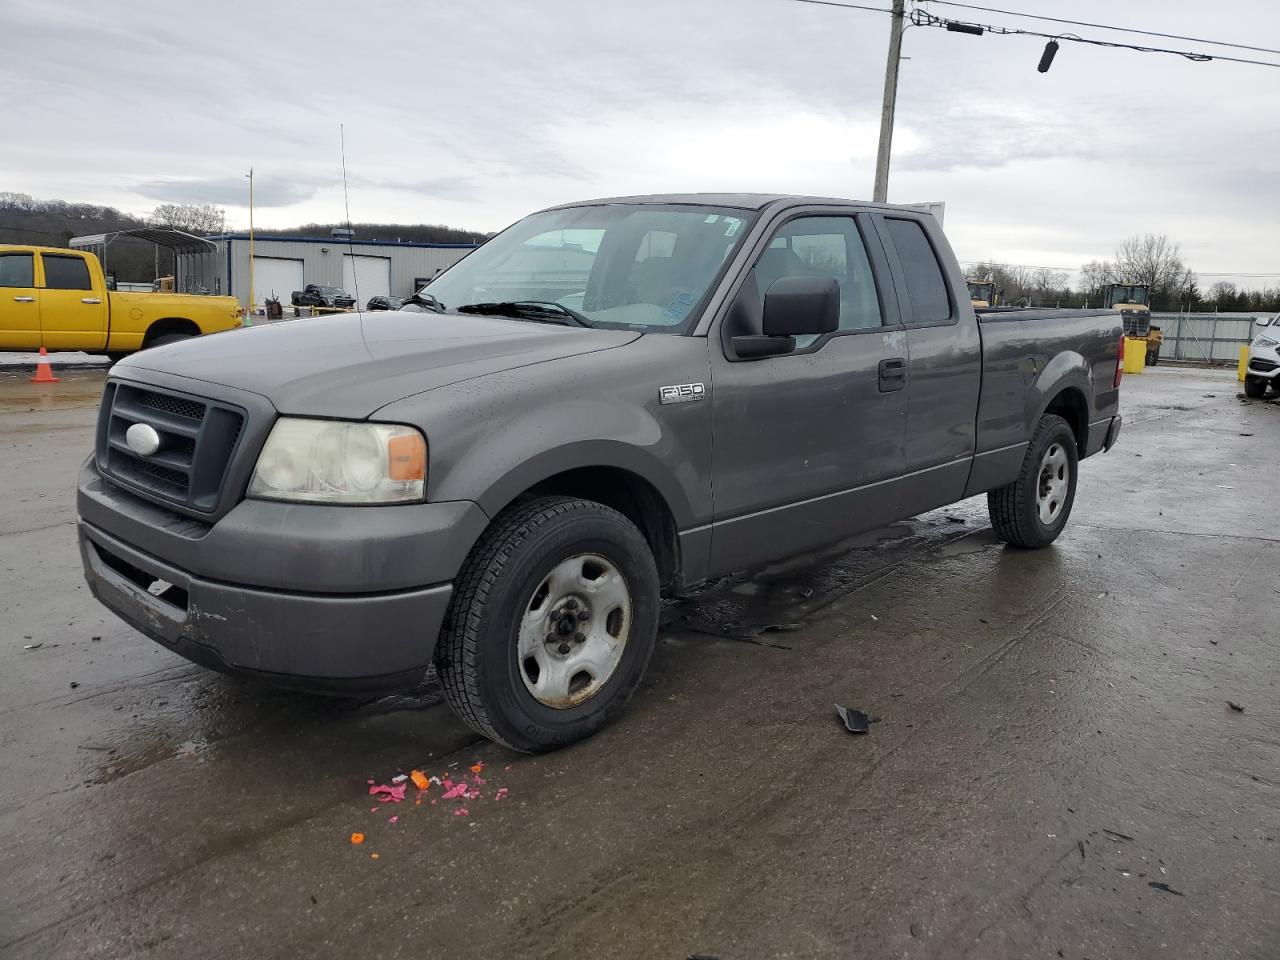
[
  {"x": 58, "y": 299},
  {"x": 316, "y": 295},
  {"x": 607, "y": 401}
]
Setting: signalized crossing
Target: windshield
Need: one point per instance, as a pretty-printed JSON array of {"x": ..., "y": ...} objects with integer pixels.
[
  {"x": 1128, "y": 294},
  {"x": 629, "y": 266},
  {"x": 331, "y": 290}
]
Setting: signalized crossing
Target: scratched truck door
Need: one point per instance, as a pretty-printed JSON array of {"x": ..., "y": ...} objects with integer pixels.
[{"x": 810, "y": 445}]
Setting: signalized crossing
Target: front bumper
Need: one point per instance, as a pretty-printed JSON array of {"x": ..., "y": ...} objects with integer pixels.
[
  {"x": 319, "y": 603},
  {"x": 1263, "y": 363}
]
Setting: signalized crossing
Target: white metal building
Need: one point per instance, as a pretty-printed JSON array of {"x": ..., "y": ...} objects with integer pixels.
[{"x": 364, "y": 268}]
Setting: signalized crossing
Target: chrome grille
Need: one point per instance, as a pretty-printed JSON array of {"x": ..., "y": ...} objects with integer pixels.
[{"x": 197, "y": 440}]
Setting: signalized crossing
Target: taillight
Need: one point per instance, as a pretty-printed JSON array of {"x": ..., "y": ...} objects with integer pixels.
[{"x": 1119, "y": 361}]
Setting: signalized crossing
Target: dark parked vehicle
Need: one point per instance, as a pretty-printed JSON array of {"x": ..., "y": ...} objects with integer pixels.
[
  {"x": 384, "y": 303},
  {"x": 669, "y": 389},
  {"x": 315, "y": 295}
]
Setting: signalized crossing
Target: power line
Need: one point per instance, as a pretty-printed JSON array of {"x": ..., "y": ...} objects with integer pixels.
[
  {"x": 922, "y": 18},
  {"x": 1104, "y": 26},
  {"x": 850, "y": 6},
  {"x": 1041, "y": 266}
]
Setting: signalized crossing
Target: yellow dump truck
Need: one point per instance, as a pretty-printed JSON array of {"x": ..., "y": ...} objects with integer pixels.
[{"x": 58, "y": 299}]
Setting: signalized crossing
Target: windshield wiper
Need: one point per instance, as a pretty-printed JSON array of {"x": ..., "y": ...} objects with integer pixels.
[
  {"x": 426, "y": 300},
  {"x": 544, "y": 311}
]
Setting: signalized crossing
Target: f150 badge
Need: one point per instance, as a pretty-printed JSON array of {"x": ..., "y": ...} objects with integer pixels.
[{"x": 682, "y": 393}]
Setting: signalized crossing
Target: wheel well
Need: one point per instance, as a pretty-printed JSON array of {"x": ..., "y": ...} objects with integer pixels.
[
  {"x": 1072, "y": 407},
  {"x": 633, "y": 497},
  {"x": 162, "y": 328}
]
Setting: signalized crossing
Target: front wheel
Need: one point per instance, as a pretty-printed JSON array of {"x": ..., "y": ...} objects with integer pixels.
[
  {"x": 1031, "y": 511},
  {"x": 552, "y": 623},
  {"x": 1255, "y": 387}
]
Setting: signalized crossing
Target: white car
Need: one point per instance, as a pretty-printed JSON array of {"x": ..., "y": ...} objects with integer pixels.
[{"x": 1263, "y": 367}]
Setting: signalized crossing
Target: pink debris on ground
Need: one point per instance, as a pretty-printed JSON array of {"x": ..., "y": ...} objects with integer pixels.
[
  {"x": 392, "y": 819},
  {"x": 502, "y": 792},
  {"x": 386, "y": 794},
  {"x": 455, "y": 791},
  {"x": 461, "y": 812}
]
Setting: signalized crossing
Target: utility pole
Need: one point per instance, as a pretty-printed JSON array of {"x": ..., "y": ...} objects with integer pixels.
[
  {"x": 249, "y": 312},
  {"x": 881, "y": 194}
]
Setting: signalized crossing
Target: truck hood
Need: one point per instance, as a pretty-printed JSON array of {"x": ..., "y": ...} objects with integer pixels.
[{"x": 352, "y": 364}]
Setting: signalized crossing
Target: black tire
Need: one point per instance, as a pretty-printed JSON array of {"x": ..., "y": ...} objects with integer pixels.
[
  {"x": 1255, "y": 387},
  {"x": 161, "y": 340},
  {"x": 1015, "y": 507},
  {"x": 477, "y": 653}
]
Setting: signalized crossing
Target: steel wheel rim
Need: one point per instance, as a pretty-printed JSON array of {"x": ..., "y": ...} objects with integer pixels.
[
  {"x": 573, "y": 631},
  {"x": 1053, "y": 484}
]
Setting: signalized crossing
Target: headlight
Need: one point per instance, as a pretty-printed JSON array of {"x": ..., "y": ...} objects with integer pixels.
[
  {"x": 1266, "y": 342},
  {"x": 334, "y": 461}
]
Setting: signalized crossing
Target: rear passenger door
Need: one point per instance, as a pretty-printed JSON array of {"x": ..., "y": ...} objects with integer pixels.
[
  {"x": 945, "y": 368},
  {"x": 808, "y": 446},
  {"x": 19, "y": 301},
  {"x": 73, "y": 315}
]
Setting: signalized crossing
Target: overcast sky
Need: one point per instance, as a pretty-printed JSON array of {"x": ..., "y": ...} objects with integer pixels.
[{"x": 475, "y": 113}]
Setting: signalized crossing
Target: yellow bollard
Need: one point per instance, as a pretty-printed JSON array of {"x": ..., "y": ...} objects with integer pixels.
[
  {"x": 1135, "y": 354},
  {"x": 1244, "y": 362}
]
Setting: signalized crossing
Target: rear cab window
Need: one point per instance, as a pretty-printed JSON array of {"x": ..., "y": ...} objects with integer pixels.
[
  {"x": 65, "y": 272},
  {"x": 17, "y": 270},
  {"x": 926, "y": 283}
]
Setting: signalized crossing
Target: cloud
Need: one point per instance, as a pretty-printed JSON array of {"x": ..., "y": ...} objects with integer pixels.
[{"x": 231, "y": 191}]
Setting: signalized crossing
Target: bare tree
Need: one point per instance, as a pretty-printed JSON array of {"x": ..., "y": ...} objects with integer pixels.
[
  {"x": 197, "y": 218},
  {"x": 1155, "y": 260},
  {"x": 1096, "y": 274},
  {"x": 1047, "y": 282}
]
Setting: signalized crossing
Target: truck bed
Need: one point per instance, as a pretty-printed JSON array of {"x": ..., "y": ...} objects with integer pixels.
[{"x": 1026, "y": 353}]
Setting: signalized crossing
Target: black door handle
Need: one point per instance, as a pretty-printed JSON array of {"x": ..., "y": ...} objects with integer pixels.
[{"x": 893, "y": 374}]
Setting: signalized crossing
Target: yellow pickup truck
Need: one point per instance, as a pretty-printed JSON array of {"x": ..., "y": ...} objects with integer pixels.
[{"x": 58, "y": 299}]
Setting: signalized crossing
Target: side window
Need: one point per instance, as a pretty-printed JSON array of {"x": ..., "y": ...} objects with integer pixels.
[
  {"x": 824, "y": 247},
  {"x": 65, "y": 273},
  {"x": 925, "y": 283},
  {"x": 17, "y": 270}
]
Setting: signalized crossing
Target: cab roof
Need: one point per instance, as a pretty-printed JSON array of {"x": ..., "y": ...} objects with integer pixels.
[{"x": 744, "y": 201}]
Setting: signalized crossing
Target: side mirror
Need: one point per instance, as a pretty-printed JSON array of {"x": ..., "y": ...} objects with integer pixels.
[
  {"x": 801, "y": 306},
  {"x": 1263, "y": 321}
]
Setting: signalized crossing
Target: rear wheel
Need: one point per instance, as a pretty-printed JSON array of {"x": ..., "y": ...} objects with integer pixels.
[
  {"x": 1031, "y": 511},
  {"x": 1255, "y": 387},
  {"x": 552, "y": 622},
  {"x": 161, "y": 340}
]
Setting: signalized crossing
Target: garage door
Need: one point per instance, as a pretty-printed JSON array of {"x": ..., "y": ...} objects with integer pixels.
[
  {"x": 276, "y": 277},
  {"x": 365, "y": 277}
]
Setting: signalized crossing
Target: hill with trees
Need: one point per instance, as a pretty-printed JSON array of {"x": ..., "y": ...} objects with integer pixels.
[{"x": 52, "y": 223}]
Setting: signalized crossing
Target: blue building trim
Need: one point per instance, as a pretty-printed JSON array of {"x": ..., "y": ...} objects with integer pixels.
[{"x": 337, "y": 242}]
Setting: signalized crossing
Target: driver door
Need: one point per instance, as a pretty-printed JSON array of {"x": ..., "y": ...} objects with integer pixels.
[{"x": 809, "y": 447}]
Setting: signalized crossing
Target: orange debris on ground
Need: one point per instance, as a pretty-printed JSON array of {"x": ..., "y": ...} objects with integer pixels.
[
  {"x": 357, "y": 838},
  {"x": 419, "y": 779}
]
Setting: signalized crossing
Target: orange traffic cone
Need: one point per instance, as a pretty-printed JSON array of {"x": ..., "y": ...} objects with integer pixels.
[{"x": 44, "y": 372}]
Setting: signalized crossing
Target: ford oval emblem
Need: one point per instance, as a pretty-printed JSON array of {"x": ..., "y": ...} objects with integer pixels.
[{"x": 142, "y": 439}]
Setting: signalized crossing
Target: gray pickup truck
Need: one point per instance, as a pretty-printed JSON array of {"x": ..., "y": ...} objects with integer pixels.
[{"x": 607, "y": 401}]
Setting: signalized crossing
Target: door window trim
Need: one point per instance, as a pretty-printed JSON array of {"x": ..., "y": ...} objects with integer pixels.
[
  {"x": 900, "y": 275},
  {"x": 877, "y": 257}
]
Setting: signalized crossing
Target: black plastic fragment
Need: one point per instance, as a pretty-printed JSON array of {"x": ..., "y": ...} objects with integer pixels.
[{"x": 855, "y": 721}]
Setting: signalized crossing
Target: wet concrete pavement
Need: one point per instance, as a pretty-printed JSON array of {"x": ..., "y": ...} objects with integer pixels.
[{"x": 1054, "y": 739}]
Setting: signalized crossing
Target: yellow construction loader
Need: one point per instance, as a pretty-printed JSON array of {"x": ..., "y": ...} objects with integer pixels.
[
  {"x": 982, "y": 293},
  {"x": 1133, "y": 302}
]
